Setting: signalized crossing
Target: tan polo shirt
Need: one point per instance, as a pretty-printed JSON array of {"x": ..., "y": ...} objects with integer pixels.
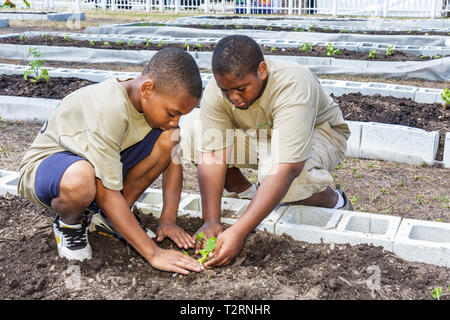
[
  {"x": 292, "y": 105},
  {"x": 96, "y": 122}
]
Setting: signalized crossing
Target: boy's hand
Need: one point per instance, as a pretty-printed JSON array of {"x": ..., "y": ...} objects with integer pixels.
[
  {"x": 175, "y": 261},
  {"x": 228, "y": 246},
  {"x": 210, "y": 229},
  {"x": 175, "y": 233}
]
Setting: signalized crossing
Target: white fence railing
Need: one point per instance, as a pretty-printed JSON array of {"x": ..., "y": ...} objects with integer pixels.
[{"x": 381, "y": 8}]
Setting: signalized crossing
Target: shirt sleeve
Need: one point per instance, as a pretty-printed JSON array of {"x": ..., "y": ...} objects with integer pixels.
[{"x": 216, "y": 131}]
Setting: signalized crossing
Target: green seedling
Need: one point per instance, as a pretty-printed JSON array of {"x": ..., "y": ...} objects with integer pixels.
[
  {"x": 106, "y": 44},
  {"x": 331, "y": 51},
  {"x": 209, "y": 246},
  {"x": 269, "y": 28},
  {"x": 120, "y": 42},
  {"x": 22, "y": 37},
  {"x": 37, "y": 72},
  {"x": 147, "y": 42},
  {"x": 437, "y": 293},
  {"x": 372, "y": 54},
  {"x": 187, "y": 46},
  {"x": 446, "y": 97},
  {"x": 306, "y": 46},
  {"x": 66, "y": 37},
  {"x": 389, "y": 51},
  {"x": 130, "y": 42},
  {"x": 160, "y": 44},
  {"x": 273, "y": 49},
  {"x": 92, "y": 43},
  {"x": 198, "y": 45},
  {"x": 298, "y": 29},
  {"x": 437, "y": 57}
]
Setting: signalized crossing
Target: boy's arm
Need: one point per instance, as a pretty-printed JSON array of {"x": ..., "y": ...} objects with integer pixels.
[
  {"x": 172, "y": 184},
  {"x": 114, "y": 206},
  {"x": 270, "y": 192},
  {"x": 211, "y": 171}
]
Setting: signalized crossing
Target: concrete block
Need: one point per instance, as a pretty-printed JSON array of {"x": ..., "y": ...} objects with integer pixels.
[
  {"x": 360, "y": 227},
  {"x": 398, "y": 143},
  {"x": 308, "y": 224},
  {"x": 427, "y": 95},
  {"x": 423, "y": 241},
  {"x": 151, "y": 201},
  {"x": 9, "y": 184},
  {"x": 354, "y": 141},
  {"x": 446, "y": 159},
  {"x": 26, "y": 109},
  {"x": 69, "y": 16}
]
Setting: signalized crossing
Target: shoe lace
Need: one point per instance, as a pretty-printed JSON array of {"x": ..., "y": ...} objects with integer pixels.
[{"x": 76, "y": 238}]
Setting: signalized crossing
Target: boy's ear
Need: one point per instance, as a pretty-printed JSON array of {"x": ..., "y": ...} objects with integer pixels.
[
  {"x": 147, "y": 87},
  {"x": 262, "y": 70}
]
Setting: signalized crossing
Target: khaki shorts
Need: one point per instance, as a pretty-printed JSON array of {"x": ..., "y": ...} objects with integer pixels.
[{"x": 328, "y": 150}]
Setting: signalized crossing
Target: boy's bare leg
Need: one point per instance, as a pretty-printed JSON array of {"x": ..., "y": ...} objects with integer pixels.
[
  {"x": 143, "y": 174},
  {"x": 235, "y": 181},
  {"x": 77, "y": 190}
]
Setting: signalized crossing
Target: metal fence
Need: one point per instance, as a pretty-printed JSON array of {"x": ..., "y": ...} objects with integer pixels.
[{"x": 380, "y": 8}]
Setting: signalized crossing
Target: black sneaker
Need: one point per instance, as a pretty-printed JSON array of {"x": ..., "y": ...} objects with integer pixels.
[
  {"x": 101, "y": 224},
  {"x": 72, "y": 240}
]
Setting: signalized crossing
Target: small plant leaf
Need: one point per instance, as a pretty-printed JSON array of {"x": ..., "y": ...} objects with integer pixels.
[{"x": 437, "y": 293}]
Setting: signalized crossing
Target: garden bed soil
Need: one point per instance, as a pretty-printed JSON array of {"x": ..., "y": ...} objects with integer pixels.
[
  {"x": 315, "y": 51},
  {"x": 269, "y": 267},
  {"x": 356, "y": 107}
]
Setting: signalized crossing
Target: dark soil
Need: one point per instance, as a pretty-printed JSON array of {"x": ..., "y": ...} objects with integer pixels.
[
  {"x": 55, "y": 88},
  {"x": 269, "y": 267},
  {"x": 316, "y": 51},
  {"x": 311, "y": 28},
  {"x": 356, "y": 107}
]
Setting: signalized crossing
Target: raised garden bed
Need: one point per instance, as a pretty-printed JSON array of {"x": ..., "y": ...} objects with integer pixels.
[
  {"x": 269, "y": 267},
  {"x": 355, "y": 107},
  {"x": 306, "y": 50},
  {"x": 310, "y": 28}
]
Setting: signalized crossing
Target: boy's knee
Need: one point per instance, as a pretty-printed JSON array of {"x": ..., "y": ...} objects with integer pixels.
[
  {"x": 168, "y": 140},
  {"x": 78, "y": 184}
]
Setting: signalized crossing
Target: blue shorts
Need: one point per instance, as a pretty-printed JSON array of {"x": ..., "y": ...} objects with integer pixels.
[{"x": 51, "y": 170}]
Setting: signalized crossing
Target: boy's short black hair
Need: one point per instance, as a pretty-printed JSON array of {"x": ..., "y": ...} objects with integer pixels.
[
  {"x": 237, "y": 55},
  {"x": 173, "y": 70}
]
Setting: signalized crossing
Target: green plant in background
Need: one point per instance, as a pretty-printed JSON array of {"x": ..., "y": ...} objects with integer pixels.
[
  {"x": 37, "y": 72},
  {"x": 92, "y": 43},
  {"x": 446, "y": 97},
  {"x": 120, "y": 42},
  {"x": 389, "y": 51},
  {"x": 22, "y": 37},
  {"x": 198, "y": 45},
  {"x": 106, "y": 43},
  {"x": 66, "y": 37},
  {"x": 187, "y": 46},
  {"x": 437, "y": 57},
  {"x": 130, "y": 42},
  {"x": 147, "y": 42},
  {"x": 209, "y": 246},
  {"x": 372, "y": 54},
  {"x": 331, "y": 51},
  {"x": 306, "y": 46},
  {"x": 298, "y": 29},
  {"x": 160, "y": 44},
  {"x": 273, "y": 49}
]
